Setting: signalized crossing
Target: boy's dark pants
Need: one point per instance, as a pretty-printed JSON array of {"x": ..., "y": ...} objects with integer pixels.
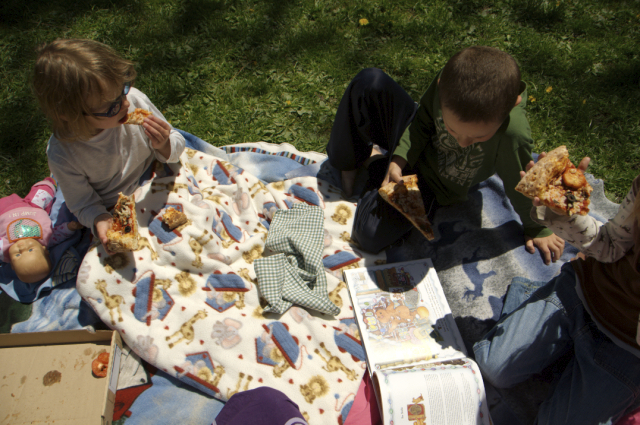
[{"x": 374, "y": 110}]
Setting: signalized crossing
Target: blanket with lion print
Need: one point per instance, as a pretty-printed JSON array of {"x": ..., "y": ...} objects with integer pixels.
[{"x": 188, "y": 301}]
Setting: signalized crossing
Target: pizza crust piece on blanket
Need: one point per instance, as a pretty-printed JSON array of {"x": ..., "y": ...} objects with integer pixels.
[
  {"x": 406, "y": 198},
  {"x": 173, "y": 218},
  {"x": 558, "y": 184},
  {"x": 137, "y": 116},
  {"x": 123, "y": 235}
]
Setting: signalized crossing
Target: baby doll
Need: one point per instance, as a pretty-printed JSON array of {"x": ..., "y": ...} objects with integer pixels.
[{"x": 26, "y": 231}]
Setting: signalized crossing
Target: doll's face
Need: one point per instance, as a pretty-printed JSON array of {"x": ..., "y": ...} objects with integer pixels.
[{"x": 30, "y": 260}]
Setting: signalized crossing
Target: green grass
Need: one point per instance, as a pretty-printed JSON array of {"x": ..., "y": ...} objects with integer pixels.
[{"x": 233, "y": 71}]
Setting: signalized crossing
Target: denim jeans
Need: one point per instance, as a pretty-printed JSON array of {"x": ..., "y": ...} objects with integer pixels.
[{"x": 600, "y": 383}]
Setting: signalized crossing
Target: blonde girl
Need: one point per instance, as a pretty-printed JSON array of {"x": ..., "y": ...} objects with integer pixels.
[{"x": 86, "y": 90}]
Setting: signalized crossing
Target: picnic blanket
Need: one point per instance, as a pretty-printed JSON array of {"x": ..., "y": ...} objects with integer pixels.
[
  {"x": 188, "y": 300},
  {"x": 477, "y": 251}
]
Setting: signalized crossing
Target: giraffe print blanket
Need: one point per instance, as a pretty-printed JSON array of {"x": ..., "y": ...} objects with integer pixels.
[
  {"x": 188, "y": 301},
  {"x": 478, "y": 250}
]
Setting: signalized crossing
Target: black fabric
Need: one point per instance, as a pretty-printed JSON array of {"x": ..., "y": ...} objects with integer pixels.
[
  {"x": 377, "y": 224},
  {"x": 374, "y": 110}
]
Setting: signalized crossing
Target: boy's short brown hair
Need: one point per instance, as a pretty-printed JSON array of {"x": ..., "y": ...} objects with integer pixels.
[
  {"x": 68, "y": 72},
  {"x": 480, "y": 83}
]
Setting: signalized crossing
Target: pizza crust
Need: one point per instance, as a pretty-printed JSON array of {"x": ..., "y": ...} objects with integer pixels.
[
  {"x": 406, "y": 198},
  {"x": 123, "y": 235},
  {"x": 137, "y": 116},
  {"x": 174, "y": 218},
  {"x": 557, "y": 183}
]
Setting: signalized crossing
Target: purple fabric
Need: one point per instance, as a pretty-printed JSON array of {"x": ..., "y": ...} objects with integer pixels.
[{"x": 260, "y": 406}]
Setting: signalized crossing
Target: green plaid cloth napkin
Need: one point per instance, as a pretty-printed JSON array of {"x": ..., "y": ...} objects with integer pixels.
[{"x": 295, "y": 275}]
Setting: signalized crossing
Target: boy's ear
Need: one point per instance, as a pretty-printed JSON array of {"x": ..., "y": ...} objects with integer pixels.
[{"x": 518, "y": 100}]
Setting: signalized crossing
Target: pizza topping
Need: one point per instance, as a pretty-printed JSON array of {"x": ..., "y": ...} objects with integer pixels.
[
  {"x": 573, "y": 178},
  {"x": 99, "y": 365},
  {"x": 406, "y": 198},
  {"x": 123, "y": 235},
  {"x": 557, "y": 183},
  {"x": 122, "y": 216}
]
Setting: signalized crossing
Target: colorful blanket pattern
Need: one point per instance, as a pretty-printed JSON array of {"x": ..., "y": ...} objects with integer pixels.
[{"x": 189, "y": 303}]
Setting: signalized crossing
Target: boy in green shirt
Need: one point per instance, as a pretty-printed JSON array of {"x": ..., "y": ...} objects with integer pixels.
[{"x": 469, "y": 125}]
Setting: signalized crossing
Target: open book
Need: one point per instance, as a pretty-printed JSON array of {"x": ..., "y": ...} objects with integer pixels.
[{"x": 415, "y": 354}]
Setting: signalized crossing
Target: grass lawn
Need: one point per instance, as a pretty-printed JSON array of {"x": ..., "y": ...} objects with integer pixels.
[{"x": 233, "y": 71}]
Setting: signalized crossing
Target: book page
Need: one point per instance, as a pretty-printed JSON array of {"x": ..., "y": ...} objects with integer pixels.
[
  {"x": 403, "y": 315},
  {"x": 439, "y": 394}
]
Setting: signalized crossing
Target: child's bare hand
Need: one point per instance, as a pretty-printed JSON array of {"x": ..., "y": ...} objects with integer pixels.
[
  {"x": 551, "y": 247},
  {"x": 158, "y": 132},
  {"x": 584, "y": 164},
  {"x": 103, "y": 222},
  {"x": 394, "y": 172},
  {"x": 579, "y": 255}
]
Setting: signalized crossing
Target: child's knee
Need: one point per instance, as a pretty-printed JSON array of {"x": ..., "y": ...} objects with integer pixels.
[
  {"x": 366, "y": 238},
  {"x": 494, "y": 368},
  {"x": 373, "y": 79}
]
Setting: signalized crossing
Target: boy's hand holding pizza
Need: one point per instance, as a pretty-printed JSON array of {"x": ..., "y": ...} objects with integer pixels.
[{"x": 394, "y": 173}]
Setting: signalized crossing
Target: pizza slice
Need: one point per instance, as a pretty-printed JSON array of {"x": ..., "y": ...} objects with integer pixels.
[
  {"x": 174, "y": 218},
  {"x": 558, "y": 184},
  {"x": 137, "y": 116},
  {"x": 406, "y": 198},
  {"x": 123, "y": 235}
]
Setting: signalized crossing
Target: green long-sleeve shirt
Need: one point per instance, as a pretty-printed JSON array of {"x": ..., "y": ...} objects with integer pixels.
[{"x": 450, "y": 170}]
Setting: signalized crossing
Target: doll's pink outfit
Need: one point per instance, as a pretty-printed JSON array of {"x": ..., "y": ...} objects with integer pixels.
[{"x": 29, "y": 218}]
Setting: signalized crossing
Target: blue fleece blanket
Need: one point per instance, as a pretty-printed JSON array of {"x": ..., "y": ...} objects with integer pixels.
[{"x": 478, "y": 250}]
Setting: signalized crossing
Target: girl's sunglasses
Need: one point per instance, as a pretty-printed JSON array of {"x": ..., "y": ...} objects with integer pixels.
[{"x": 114, "y": 108}]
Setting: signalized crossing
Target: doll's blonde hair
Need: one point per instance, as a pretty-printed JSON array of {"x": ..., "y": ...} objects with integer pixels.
[{"x": 69, "y": 72}]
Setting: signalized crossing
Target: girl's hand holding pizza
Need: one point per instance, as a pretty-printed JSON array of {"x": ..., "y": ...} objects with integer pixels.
[
  {"x": 158, "y": 132},
  {"x": 103, "y": 223}
]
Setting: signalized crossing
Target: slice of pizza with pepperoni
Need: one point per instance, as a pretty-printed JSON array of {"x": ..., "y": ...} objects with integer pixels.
[{"x": 558, "y": 184}]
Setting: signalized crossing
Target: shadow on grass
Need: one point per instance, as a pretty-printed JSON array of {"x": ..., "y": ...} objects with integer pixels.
[{"x": 256, "y": 43}]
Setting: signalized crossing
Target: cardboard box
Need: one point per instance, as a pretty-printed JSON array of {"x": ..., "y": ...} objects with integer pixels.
[{"x": 46, "y": 377}]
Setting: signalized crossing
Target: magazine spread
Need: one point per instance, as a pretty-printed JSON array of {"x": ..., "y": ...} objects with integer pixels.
[{"x": 414, "y": 350}]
